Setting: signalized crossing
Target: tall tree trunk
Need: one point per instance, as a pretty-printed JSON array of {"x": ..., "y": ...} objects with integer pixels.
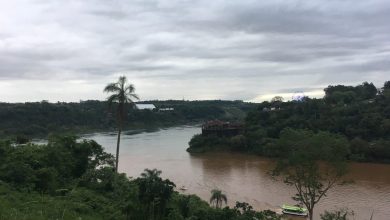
[
  {"x": 311, "y": 214},
  {"x": 120, "y": 122},
  {"x": 117, "y": 148},
  {"x": 120, "y": 119}
]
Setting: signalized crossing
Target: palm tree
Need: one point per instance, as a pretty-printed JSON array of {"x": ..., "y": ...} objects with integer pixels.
[
  {"x": 217, "y": 198},
  {"x": 151, "y": 174},
  {"x": 123, "y": 95}
]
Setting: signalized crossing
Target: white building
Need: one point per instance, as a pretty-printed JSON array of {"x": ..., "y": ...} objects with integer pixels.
[
  {"x": 145, "y": 106},
  {"x": 166, "y": 109}
]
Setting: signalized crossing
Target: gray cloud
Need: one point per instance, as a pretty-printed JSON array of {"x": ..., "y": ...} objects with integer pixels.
[{"x": 198, "y": 49}]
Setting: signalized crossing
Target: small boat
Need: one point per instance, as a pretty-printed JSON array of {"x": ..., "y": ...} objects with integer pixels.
[
  {"x": 183, "y": 188},
  {"x": 294, "y": 210}
]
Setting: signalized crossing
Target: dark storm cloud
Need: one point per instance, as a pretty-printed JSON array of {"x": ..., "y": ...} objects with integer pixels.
[{"x": 243, "y": 49}]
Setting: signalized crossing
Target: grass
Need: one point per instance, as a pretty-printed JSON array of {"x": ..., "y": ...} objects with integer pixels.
[{"x": 81, "y": 205}]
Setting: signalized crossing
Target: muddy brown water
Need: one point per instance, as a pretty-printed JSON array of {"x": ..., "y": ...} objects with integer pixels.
[{"x": 242, "y": 177}]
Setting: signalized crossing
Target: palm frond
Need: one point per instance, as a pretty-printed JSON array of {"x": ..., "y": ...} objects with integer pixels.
[
  {"x": 129, "y": 100},
  {"x": 112, "y": 98},
  {"x": 217, "y": 198},
  {"x": 130, "y": 88},
  {"x": 212, "y": 198},
  {"x": 123, "y": 93},
  {"x": 224, "y": 198},
  {"x": 151, "y": 174},
  {"x": 122, "y": 81},
  {"x": 112, "y": 87},
  {"x": 135, "y": 96}
]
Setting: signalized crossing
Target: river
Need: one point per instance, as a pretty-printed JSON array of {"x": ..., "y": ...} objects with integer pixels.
[{"x": 242, "y": 177}]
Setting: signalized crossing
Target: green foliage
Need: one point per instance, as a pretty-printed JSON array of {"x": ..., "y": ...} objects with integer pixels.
[
  {"x": 34, "y": 119},
  {"x": 47, "y": 167},
  {"x": 360, "y": 113},
  {"x": 200, "y": 143},
  {"x": 70, "y": 179},
  {"x": 154, "y": 193},
  {"x": 342, "y": 214},
  {"x": 122, "y": 94},
  {"x": 311, "y": 162},
  {"x": 217, "y": 198},
  {"x": 15, "y": 205}
]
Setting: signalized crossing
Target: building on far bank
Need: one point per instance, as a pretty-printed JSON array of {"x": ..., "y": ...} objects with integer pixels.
[
  {"x": 222, "y": 128},
  {"x": 150, "y": 107},
  {"x": 166, "y": 109}
]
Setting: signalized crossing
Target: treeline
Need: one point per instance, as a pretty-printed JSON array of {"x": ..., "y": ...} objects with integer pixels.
[
  {"x": 360, "y": 114},
  {"x": 69, "y": 179},
  {"x": 41, "y": 118}
]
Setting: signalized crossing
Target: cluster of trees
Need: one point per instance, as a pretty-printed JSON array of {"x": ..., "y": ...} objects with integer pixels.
[
  {"x": 310, "y": 162},
  {"x": 313, "y": 139},
  {"x": 360, "y": 114},
  {"x": 71, "y": 179},
  {"x": 204, "y": 143},
  {"x": 41, "y": 118}
]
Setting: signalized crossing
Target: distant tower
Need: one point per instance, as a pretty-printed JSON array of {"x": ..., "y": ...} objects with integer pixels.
[{"x": 298, "y": 96}]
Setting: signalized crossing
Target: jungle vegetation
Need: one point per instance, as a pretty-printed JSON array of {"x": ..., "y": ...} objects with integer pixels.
[
  {"x": 359, "y": 114},
  {"x": 73, "y": 179},
  {"x": 39, "y": 119},
  {"x": 313, "y": 163}
]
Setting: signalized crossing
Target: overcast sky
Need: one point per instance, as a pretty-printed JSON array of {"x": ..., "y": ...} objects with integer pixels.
[{"x": 67, "y": 50}]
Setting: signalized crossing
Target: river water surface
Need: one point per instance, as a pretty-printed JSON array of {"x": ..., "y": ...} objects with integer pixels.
[{"x": 242, "y": 177}]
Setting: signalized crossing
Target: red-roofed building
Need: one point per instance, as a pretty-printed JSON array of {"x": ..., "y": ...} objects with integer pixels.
[{"x": 222, "y": 128}]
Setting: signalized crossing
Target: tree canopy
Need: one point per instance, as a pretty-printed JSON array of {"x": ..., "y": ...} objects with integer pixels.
[
  {"x": 39, "y": 119},
  {"x": 71, "y": 179},
  {"x": 312, "y": 163}
]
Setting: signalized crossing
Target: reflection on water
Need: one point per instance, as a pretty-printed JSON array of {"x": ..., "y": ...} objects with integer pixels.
[{"x": 241, "y": 177}]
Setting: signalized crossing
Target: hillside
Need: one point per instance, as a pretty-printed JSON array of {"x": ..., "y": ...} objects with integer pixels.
[
  {"x": 361, "y": 114},
  {"x": 42, "y": 118}
]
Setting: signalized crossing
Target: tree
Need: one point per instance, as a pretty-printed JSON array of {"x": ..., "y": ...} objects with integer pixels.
[
  {"x": 151, "y": 174},
  {"x": 243, "y": 207},
  {"x": 386, "y": 89},
  {"x": 154, "y": 193},
  {"x": 123, "y": 95},
  {"x": 277, "y": 99},
  {"x": 217, "y": 198},
  {"x": 312, "y": 162},
  {"x": 386, "y": 85}
]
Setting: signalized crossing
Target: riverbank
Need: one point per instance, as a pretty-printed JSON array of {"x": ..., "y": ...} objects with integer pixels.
[
  {"x": 128, "y": 130},
  {"x": 39, "y": 119},
  {"x": 253, "y": 144},
  {"x": 242, "y": 177},
  {"x": 70, "y": 179}
]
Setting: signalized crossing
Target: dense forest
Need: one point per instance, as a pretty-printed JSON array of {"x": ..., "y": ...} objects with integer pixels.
[
  {"x": 69, "y": 179},
  {"x": 41, "y": 118},
  {"x": 360, "y": 114}
]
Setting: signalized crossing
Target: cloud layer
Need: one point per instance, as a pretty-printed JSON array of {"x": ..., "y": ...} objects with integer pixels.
[{"x": 247, "y": 49}]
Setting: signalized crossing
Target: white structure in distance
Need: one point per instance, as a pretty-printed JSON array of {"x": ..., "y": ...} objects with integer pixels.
[
  {"x": 298, "y": 96},
  {"x": 145, "y": 106},
  {"x": 166, "y": 109}
]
